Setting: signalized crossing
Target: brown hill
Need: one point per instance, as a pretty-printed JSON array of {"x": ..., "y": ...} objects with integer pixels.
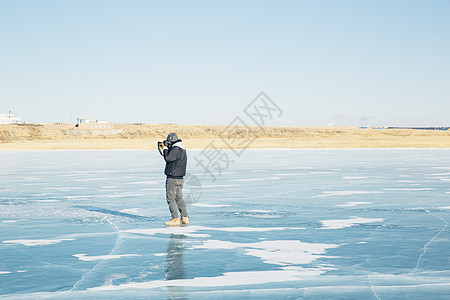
[{"x": 144, "y": 136}]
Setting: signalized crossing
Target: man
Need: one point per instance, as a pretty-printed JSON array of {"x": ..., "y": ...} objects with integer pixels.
[{"x": 174, "y": 153}]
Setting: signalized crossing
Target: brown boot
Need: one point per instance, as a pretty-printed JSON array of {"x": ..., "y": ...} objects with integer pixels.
[
  {"x": 185, "y": 220},
  {"x": 173, "y": 222}
]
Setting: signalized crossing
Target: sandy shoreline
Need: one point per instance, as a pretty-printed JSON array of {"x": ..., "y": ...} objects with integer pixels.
[
  {"x": 145, "y": 137},
  {"x": 274, "y": 143}
]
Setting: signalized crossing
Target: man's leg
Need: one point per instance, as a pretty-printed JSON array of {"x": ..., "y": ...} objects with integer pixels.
[
  {"x": 179, "y": 198},
  {"x": 171, "y": 194}
]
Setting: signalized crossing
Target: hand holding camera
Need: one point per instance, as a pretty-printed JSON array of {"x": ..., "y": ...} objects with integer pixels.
[{"x": 161, "y": 146}]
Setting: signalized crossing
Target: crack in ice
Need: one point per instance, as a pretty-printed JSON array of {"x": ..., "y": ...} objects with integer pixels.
[
  {"x": 371, "y": 287},
  {"x": 425, "y": 247},
  {"x": 83, "y": 277}
]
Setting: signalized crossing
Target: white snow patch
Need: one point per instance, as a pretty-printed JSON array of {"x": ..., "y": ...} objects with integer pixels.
[
  {"x": 130, "y": 210},
  {"x": 44, "y": 194},
  {"x": 290, "y": 174},
  {"x": 92, "y": 179},
  {"x": 354, "y": 177},
  {"x": 444, "y": 207},
  {"x": 10, "y": 221},
  {"x": 300, "y": 168},
  {"x": 323, "y": 172},
  {"x": 220, "y": 185},
  {"x": 408, "y": 189},
  {"x": 227, "y": 279},
  {"x": 84, "y": 257},
  {"x": 251, "y": 229},
  {"x": 192, "y": 229},
  {"x": 168, "y": 230},
  {"x": 346, "y": 193},
  {"x": 133, "y": 194},
  {"x": 438, "y": 174},
  {"x": 337, "y": 224},
  {"x": 198, "y": 235},
  {"x": 111, "y": 196},
  {"x": 63, "y": 189},
  {"x": 79, "y": 197},
  {"x": 281, "y": 252},
  {"x": 256, "y": 179},
  {"x": 209, "y": 205},
  {"x": 46, "y": 201},
  {"x": 144, "y": 182},
  {"x": 350, "y": 204},
  {"x": 260, "y": 211},
  {"x": 5, "y": 272},
  {"x": 41, "y": 242},
  {"x": 217, "y": 244}
]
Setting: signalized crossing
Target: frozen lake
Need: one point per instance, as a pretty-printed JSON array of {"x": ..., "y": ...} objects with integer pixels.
[{"x": 289, "y": 224}]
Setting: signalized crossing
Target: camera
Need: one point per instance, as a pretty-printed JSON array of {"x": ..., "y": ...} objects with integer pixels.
[{"x": 163, "y": 144}]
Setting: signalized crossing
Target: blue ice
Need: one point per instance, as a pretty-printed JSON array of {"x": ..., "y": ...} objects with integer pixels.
[{"x": 283, "y": 224}]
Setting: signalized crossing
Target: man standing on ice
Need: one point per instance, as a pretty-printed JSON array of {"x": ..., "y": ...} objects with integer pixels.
[{"x": 174, "y": 153}]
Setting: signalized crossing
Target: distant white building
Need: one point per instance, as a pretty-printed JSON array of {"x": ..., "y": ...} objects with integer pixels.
[
  {"x": 93, "y": 124},
  {"x": 9, "y": 119}
]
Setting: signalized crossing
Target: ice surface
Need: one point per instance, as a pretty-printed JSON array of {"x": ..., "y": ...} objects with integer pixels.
[
  {"x": 346, "y": 193},
  {"x": 407, "y": 189},
  {"x": 209, "y": 205},
  {"x": 352, "y": 203},
  {"x": 304, "y": 224}
]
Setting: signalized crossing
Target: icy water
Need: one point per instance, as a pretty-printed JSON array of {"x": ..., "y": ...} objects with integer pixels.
[{"x": 277, "y": 224}]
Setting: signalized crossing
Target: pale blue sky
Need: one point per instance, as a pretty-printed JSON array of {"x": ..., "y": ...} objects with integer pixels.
[{"x": 201, "y": 62}]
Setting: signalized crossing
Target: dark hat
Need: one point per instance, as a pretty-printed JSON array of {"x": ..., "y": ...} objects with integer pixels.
[{"x": 172, "y": 137}]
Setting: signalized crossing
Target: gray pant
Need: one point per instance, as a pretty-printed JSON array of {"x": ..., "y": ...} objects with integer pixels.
[{"x": 174, "y": 197}]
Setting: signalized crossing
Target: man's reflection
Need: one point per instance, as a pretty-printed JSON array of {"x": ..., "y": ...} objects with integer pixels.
[{"x": 175, "y": 266}]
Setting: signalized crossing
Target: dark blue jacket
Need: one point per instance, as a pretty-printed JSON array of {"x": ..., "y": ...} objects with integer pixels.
[{"x": 176, "y": 160}]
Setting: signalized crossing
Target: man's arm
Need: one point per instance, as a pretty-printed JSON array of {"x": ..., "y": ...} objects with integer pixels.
[{"x": 171, "y": 155}]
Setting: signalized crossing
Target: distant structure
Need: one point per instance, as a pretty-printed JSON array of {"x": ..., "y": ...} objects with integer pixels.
[
  {"x": 421, "y": 128},
  {"x": 93, "y": 124},
  {"x": 416, "y": 128},
  {"x": 9, "y": 119}
]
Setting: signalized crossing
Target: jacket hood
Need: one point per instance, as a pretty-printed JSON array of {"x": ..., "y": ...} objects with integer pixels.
[{"x": 180, "y": 144}]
